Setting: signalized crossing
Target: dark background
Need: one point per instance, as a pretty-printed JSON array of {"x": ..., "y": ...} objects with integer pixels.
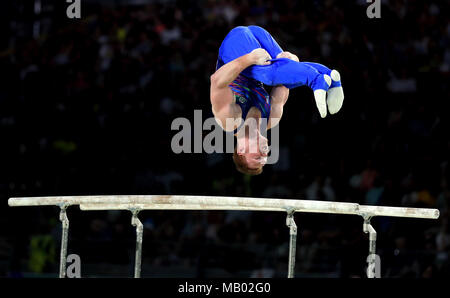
[{"x": 86, "y": 107}]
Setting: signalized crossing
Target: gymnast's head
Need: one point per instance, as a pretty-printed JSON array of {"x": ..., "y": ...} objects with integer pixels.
[{"x": 250, "y": 153}]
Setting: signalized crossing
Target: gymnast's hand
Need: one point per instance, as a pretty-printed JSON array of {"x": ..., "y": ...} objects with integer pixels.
[
  {"x": 288, "y": 55},
  {"x": 260, "y": 57}
]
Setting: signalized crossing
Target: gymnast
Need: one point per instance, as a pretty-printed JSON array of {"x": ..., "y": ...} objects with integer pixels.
[{"x": 249, "y": 57}]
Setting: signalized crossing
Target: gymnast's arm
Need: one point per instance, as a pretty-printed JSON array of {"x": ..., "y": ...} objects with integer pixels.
[
  {"x": 221, "y": 95},
  {"x": 279, "y": 95}
]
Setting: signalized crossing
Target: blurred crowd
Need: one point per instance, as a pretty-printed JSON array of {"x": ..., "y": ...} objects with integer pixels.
[{"x": 86, "y": 108}]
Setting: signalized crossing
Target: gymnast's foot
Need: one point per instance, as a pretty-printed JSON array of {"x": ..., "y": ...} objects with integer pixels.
[
  {"x": 335, "y": 95},
  {"x": 320, "y": 86}
]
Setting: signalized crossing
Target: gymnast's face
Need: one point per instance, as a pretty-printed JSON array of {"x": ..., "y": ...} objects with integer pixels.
[{"x": 253, "y": 149}]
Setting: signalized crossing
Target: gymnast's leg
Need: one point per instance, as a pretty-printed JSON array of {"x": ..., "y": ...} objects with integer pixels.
[
  {"x": 335, "y": 95},
  {"x": 282, "y": 71},
  {"x": 266, "y": 40}
]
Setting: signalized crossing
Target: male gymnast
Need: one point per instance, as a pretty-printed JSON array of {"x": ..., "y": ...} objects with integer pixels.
[{"x": 248, "y": 58}]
